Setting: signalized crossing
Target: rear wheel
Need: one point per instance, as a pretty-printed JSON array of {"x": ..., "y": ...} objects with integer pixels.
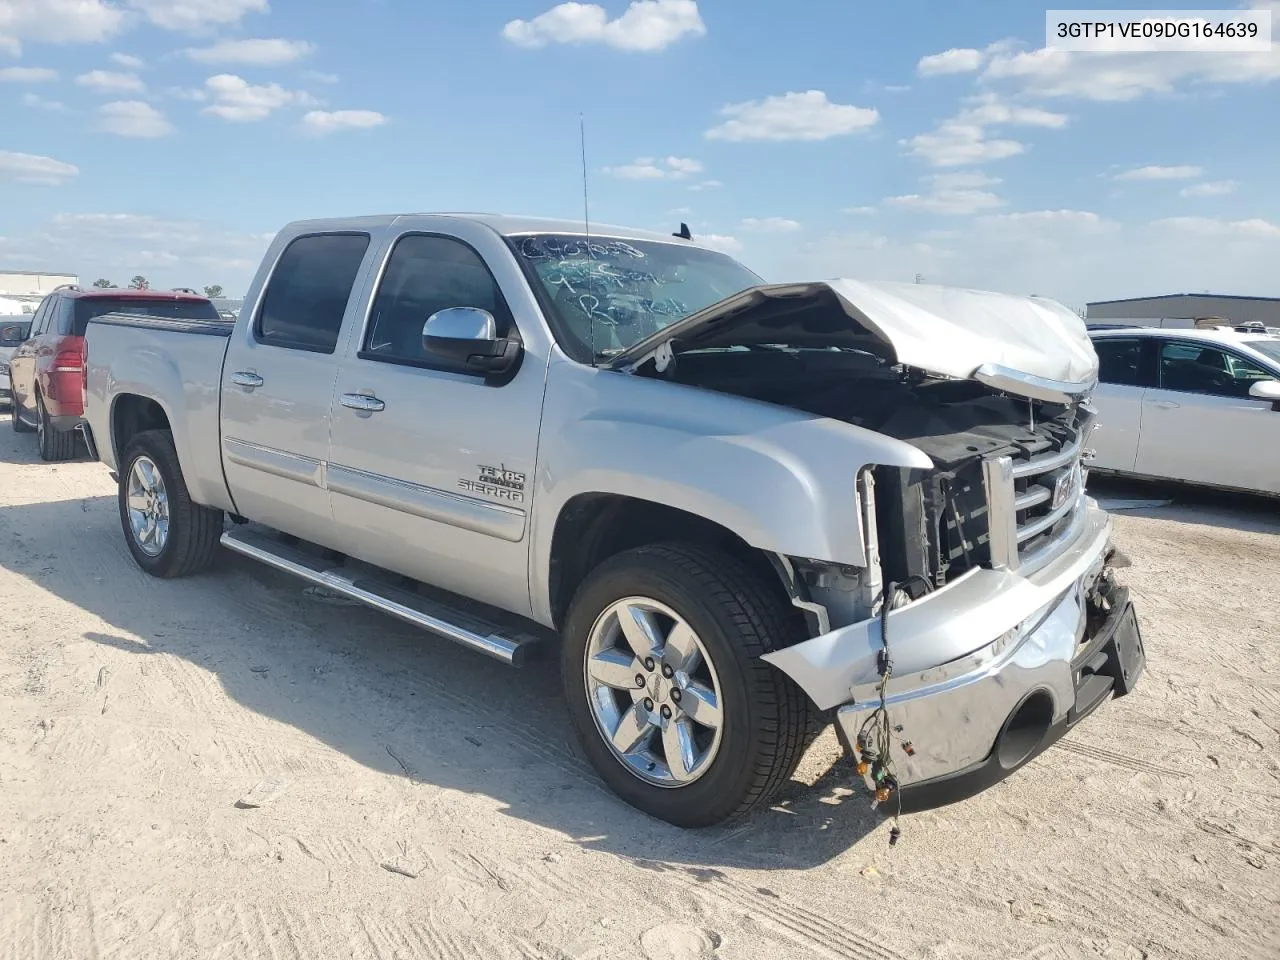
[
  {"x": 168, "y": 534},
  {"x": 17, "y": 412},
  {"x": 54, "y": 445},
  {"x": 666, "y": 689}
]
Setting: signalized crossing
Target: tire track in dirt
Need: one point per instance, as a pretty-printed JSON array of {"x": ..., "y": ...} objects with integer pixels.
[{"x": 1115, "y": 758}]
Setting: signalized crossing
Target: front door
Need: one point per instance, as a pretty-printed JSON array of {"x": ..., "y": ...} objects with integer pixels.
[
  {"x": 1200, "y": 424},
  {"x": 277, "y": 384},
  {"x": 431, "y": 467}
]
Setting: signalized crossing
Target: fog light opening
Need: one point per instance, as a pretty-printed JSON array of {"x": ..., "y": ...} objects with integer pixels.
[{"x": 1024, "y": 730}]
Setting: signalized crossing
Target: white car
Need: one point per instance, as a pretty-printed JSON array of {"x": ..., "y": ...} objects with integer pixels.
[{"x": 1199, "y": 406}]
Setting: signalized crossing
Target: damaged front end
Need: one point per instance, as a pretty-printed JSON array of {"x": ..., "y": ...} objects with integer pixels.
[{"x": 987, "y": 620}]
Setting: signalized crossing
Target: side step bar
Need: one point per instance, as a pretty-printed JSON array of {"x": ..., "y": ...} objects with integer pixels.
[{"x": 510, "y": 646}]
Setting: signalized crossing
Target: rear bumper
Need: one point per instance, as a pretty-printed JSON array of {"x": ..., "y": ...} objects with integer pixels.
[
  {"x": 967, "y": 659},
  {"x": 65, "y": 423}
]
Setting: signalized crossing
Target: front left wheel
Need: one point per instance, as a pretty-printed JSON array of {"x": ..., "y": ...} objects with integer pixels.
[
  {"x": 666, "y": 689},
  {"x": 168, "y": 534}
]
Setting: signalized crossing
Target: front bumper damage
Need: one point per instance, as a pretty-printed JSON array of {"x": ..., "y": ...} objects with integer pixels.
[{"x": 988, "y": 671}]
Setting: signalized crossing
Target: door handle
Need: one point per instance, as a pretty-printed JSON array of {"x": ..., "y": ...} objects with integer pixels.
[
  {"x": 243, "y": 378},
  {"x": 1165, "y": 404},
  {"x": 362, "y": 402}
]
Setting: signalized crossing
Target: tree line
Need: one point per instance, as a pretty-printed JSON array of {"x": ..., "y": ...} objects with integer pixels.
[{"x": 213, "y": 291}]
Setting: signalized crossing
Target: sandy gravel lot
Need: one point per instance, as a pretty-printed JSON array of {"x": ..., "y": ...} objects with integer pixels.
[{"x": 433, "y": 805}]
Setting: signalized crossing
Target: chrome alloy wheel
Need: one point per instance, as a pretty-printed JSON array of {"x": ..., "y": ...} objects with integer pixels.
[
  {"x": 148, "y": 503},
  {"x": 654, "y": 694}
]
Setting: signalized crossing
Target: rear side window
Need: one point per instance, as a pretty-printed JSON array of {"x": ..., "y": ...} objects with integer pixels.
[
  {"x": 307, "y": 295},
  {"x": 1119, "y": 361},
  {"x": 86, "y": 308},
  {"x": 427, "y": 274}
]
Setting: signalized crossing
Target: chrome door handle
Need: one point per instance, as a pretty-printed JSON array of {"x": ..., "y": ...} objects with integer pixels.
[
  {"x": 362, "y": 402},
  {"x": 243, "y": 378}
]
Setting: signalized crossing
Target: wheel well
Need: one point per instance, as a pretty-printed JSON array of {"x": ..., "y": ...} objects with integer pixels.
[
  {"x": 130, "y": 416},
  {"x": 594, "y": 527}
]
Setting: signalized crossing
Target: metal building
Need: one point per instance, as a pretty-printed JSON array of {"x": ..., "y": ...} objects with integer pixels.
[
  {"x": 1182, "y": 310},
  {"x": 28, "y": 283}
]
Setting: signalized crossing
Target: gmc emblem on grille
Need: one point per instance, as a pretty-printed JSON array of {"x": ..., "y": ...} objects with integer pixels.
[{"x": 1062, "y": 487}]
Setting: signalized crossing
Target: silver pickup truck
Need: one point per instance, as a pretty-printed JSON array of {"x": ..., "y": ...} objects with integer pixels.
[{"x": 740, "y": 510}]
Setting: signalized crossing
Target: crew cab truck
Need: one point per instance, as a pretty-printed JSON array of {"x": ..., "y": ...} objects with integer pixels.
[{"x": 741, "y": 509}]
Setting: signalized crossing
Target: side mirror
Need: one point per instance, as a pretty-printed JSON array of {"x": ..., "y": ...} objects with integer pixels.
[
  {"x": 1266, "y": 390},
  {"x": 468, "y": 336}
]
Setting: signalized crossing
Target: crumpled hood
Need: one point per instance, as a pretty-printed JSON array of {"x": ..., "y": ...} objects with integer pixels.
[{"x": 1030, "y": 346}]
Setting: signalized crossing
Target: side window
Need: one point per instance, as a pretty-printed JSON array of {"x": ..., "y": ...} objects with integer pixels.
[
  {"x": 37, "y": 319},
  {"x": 424, "y": 275},
  {"x": 1119, "y": 361},
  {"x": 307, "y": 295},
  {"x": 1192, "y": 368}
]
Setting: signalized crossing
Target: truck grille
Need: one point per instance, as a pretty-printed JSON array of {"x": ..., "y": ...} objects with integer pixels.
[{"x": 1035, "y": 503}]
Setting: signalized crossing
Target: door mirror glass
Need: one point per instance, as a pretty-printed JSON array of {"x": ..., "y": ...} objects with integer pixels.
[
  {"x": 12, "y": 334},
  {"x": 1266, "y": 390}
]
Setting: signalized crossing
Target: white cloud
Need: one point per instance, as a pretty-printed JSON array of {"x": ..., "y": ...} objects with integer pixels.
[
  {"x": 1210, "y": 188},
  {"x": 239, "y": 101},
  {"x": 859, "y": 211},
  {"x": 646, "y": 25},
  {"x": 953, "y": 194},
  {"x": 770, "y": 224},
  {"x": 1156, "y": 172},
  {"x": 133, "y": 118},
  {"x": 718, "y": 241},
  {"x": 327, "y": 121},
  {"x": 791, "y": 116},
  {"x": 963, "y": 139},
  {"x": 252, "y": 52},
  {"x": 705, "y": 185},
  {"x": 196, "y": 15},
  {"x": 650, "y": 168},
  {"x": 27, "y": 75},
  {"x": 1112, "y": 76},
  {"x": 1255, "y": 228},
  {"x": 955, "y": 60},
  {"x": 106, "y": 81},
  {"x": 954, "y": 145},
  {"x": 128, "y": 61},
  {"x": 42, "y": 103},
  {"x": 57, "y": 21},
  {"x": 31, "y": 168},
  {"x": 169, "y": 252}
]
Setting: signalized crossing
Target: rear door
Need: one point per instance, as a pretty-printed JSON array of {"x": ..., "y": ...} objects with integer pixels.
[
  {"x": 1124, "y": 374},
  {"x": 277, "y": 384},
  {"x": 1199, "y": 423},
  {"x": 432, "y": 467}
]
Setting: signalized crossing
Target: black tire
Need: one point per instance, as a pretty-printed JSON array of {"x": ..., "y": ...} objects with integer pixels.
[
  {"x": 193, "y": 530},
  {"x": 15, "y": 412},
  {"x": 55, "y": 446},
  {"x": 767, "y": 721}
]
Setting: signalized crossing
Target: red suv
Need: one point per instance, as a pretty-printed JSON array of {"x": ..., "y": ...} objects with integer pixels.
[{"x": 47, "y": 371}]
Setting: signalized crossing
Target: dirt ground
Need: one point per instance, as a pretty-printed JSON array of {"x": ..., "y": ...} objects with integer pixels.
[{"x": 430, "y": 803}]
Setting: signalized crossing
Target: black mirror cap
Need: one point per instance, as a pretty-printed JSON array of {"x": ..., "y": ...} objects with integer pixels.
[{"x": 497, "y": 359}]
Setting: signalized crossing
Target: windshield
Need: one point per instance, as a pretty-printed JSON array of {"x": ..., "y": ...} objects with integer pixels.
[
  {"x": 89, "y": 307},
  {"x": 1269, "y": 347},
  {"x": 610, "y": 294}
]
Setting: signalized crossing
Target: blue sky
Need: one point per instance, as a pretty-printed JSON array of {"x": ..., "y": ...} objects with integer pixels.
[{"x": 173, "y": 137}]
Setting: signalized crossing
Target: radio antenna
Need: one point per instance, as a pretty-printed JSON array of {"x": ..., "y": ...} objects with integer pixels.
[{"x": 586, "y": 226}]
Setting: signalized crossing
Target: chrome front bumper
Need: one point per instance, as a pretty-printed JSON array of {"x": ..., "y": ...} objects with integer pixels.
[{"x": 965, "y": 657}]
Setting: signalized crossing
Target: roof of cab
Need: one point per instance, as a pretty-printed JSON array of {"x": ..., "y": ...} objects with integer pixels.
[
  {"x": 506, "y": 225},
  {"x": 116, "y": 293}
]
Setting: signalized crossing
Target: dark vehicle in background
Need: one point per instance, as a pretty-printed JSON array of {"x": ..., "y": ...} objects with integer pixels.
[
  {"x": 47, "y": 368},
  {"x": 12, "y": 333}
]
